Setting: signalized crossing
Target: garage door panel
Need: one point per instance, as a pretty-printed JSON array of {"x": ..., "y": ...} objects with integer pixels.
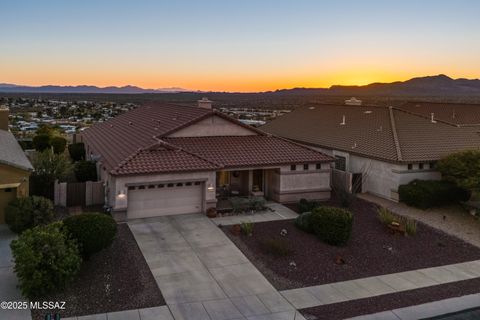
[{"x": 164, "y": 201}]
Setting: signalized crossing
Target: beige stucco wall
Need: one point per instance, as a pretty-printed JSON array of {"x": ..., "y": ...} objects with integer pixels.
[
  {"x": 383, "y": 178},
  {"x": 291, "y": 186},
  {"x": 213, "y": 126},
  {"x": 12, "y": 175},
  {"x": 119, "y": 184}
]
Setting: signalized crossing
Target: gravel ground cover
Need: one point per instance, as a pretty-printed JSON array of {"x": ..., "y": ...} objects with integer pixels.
[
  {"x": 115, "y": 279},
  {"x": 371, "y": 251}
]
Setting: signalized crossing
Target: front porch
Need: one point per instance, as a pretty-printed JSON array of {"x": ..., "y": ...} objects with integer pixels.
[{"x": 242, "y": 183}]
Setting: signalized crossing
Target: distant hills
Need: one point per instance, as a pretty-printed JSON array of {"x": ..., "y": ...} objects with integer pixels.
[
  {"x": 7, "y": 87},
  {"x": 440, "y": 85},
  {"x": 431, "y": 86}
]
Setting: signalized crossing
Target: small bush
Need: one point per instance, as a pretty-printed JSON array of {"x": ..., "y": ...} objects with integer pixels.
[
  {"x": 25, "y": 213},
  {"x": 85, "y": 171},
  {"x": 93, "y": 231},
  {"x": 41, "y": 142},
  {"x": 426, "y": 194},
  {"x": 277, "y": 247},
  {"x": 305, "y": 205},
  {"x": 256, "y": 203},
  {"x": 303, "y": 222},
  {"x": 385, "y": 216},
  {"x": 58, "y": 144},
  {"x": 46, "y": 260},
  {"x": 247, "y": 228},
  {"x": 77, "y": 151},
  {"x": 332, "y": 225}
]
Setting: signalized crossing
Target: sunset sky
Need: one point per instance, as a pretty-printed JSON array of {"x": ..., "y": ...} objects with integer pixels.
[{"x": 236, "y": 45}]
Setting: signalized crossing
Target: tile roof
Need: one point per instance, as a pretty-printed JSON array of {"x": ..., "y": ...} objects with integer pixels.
[
  {"x": 136, "y": 142},
  {"x": 384, "y": 133},
  {"x": 11, "y": 153},
  {"x": 248, "y": 151},
  {"x": 454, "y": 113},
  {"x": 118, "y": 138},
  {"x": 162, "y": 158}
]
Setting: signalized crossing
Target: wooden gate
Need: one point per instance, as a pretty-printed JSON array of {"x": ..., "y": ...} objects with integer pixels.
[{"x": 75, "y": 194}]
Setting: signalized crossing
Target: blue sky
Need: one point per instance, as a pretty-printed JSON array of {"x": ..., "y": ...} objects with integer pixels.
[{"x": 241, "y": 45}]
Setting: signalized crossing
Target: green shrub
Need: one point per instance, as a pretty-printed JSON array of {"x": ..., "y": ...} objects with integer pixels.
[
  {"x": 247, "y": 228},
  {"x": 332, "y": 225},
  {"x": 277, "y": 247},
  {"x": 256, "y": 203},
  {"x": 93, "y": 231},
  {"x": 385, "y": 216},
  {"x": 41, "y": 142},
  {"x": 305, "y": 205},
  {"x": 77, "y": 151},
  {"x": 58, "y": 144},
  {"x": 46, "y": 260},
  {"x": 25, "y": 213},
  {"x": 85, "y": 171},
  {"x": 426, "y": 194},
  {"x": 303, "y": 222}
]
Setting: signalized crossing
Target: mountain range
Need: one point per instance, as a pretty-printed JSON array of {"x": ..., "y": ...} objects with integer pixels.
[{"x": 439, "y": 85}]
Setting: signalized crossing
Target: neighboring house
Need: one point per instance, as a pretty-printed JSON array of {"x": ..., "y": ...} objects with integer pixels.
[
  {"x": 379, "y": 147},
  {"x": 15, "y": 168},
  {"x": 170, "y": 159}
]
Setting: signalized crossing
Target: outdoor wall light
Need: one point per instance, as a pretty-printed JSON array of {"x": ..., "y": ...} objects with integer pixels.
[
  {"x": 121, "y": 195},
  {"x": 210, "y": 187}
]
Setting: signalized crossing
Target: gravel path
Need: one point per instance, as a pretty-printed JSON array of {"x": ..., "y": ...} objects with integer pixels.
[{"x": 457, "y": 222}]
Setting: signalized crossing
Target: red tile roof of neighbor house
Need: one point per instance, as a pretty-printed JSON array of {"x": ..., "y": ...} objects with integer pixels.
[
  {"x": 136, "y": 142},
  {"x": 460, "y": 114},
  {"x": 384, "y": 133}
]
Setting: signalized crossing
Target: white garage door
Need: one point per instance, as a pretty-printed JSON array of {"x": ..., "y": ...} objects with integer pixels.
[{"x": 164, "y": 199}]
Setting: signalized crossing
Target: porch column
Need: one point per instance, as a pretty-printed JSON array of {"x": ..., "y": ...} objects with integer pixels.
[{"x": 250, "y": 181}]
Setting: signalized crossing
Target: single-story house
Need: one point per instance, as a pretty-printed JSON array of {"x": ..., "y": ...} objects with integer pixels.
[
  {"x": 169, "y": 159},
  {"x": 15, "y": 168},
  {"x": 379, "y": 148}
]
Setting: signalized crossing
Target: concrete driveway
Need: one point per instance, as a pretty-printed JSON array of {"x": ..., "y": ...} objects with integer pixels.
[
  {"x": 8, "y": 280},
  {"x": 203, "y": 275}
]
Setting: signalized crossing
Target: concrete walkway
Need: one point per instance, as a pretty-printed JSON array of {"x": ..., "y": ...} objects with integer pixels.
[
  {"x": 457, "y": 222},
  {"x": 203, "y": 275},
  {"x": 277, "y": 212},
  {"x": 374, "y": 286},
  {"x": 427, "y": 310},
  {"x": 8, "y": 279}
]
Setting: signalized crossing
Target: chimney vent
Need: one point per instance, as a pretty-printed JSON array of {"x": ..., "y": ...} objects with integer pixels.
[
  {"x": 204, "y": 103},
  {"x": 353, "y": 102},
  {"x": 4, "y": 111}
]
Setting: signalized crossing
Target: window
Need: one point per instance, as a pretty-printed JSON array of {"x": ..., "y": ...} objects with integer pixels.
[
  {"x": 420, "y": 166},
  {"x": 152, "y": 186},
  {"x": 188, "y": 184},
  {"x": 170, "y": 185},
  {"x": 161, "y": 186},
  {"x": 318, "y": 166},
  {"x": 141, "y": 187},
  {"x": 131, "y": 188},
  {"x": 305, "y": 166},
  {"x": 179, "y": 184},
  {"x": 197, "y": 183},
  {"x": 410, "y": 166},
  {"x": 293, "y": 167},
  {"x": 432, "y": 165},
  {"x": 340, "y": 163}
]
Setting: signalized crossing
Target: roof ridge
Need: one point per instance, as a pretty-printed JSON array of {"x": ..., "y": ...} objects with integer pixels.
[
  {"x": 298, "y": 144},
  {"x": 426, "y": 117},
  {"x": 186, "y": 151},
  {"x": 395, "y": 134},
  {"x": 126, "y": 160}
]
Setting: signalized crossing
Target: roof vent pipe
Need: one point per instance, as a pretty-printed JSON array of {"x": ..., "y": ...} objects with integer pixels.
[
  {"x": 432, "y": 118},
  {"x": 343, "y": 121}
]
